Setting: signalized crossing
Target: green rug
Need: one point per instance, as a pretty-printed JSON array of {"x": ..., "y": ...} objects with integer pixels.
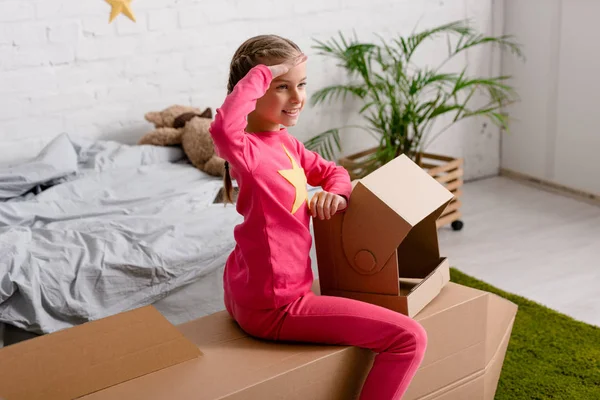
[{"x": 549, "y": 356}]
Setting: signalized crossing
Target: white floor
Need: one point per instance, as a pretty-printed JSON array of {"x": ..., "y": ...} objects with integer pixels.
[{"x": 531, "y": 242}]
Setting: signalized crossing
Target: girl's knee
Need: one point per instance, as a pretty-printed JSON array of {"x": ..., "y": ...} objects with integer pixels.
[
  {"x": 420, "y": 335},
  {"x": 419, "y": 332},
  {"x": 412, "y": 338}
]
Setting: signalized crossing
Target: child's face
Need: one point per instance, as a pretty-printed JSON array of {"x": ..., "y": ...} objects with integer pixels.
[{"x": 283, "y": 102}]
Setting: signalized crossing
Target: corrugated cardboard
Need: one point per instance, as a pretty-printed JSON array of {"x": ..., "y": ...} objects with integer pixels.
[
  {"x": 235, "y": 366},
  {"x": 462, "y": 325},
  {"x": 90, "y": 357},
  {"x": 384, "y": 248},
  {"x": 468, "y": 332},
  {"x": 477, "y": 331},
  {"x": 480, "y": 385}
]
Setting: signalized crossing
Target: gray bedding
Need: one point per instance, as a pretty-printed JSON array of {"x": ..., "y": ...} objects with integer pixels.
[{"x": 124, "y": 228}]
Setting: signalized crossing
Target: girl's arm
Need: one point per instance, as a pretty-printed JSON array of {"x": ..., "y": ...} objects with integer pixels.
[
  {"x": 326, "y": 174},
  {"x": 228, "y": 128}
]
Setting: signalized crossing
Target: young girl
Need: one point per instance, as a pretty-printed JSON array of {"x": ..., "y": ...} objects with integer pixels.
[{"x": 268, "y": 277}]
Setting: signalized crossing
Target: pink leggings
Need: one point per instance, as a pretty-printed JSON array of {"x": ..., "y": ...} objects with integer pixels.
[{"x": 399, "y": 340}]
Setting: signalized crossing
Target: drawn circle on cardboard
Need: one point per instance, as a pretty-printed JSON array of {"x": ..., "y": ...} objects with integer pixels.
[{"x": 365, "y": 263}]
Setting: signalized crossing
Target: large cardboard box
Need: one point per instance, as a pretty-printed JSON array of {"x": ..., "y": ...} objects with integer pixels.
[
  {"x": 384, "y": 248},
  {"x": 468, "y": 333}
]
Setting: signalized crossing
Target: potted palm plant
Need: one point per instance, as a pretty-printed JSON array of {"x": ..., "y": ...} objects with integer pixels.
[{"x": 401, "y": 102}]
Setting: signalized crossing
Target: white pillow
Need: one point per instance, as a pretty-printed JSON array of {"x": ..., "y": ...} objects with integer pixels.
[{"x": 58, "y": 159}]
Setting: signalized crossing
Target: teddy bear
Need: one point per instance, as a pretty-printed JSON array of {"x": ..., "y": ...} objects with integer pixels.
[{"x": 188, "y": 127}]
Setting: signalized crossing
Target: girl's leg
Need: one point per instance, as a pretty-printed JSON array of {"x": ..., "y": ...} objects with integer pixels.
[{"x": 399, "y": 340}]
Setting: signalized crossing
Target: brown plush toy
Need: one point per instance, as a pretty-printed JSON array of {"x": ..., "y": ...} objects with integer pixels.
[{"x": 188, "y": 127}]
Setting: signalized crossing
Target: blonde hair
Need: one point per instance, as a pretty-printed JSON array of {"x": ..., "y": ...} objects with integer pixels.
[{"x": 262, "y": 49}]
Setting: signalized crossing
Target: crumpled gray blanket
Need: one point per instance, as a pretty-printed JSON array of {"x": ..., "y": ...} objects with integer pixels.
[{"x": 89, "y": 229}]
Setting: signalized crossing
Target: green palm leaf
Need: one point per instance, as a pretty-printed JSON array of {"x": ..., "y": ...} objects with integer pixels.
[
  {"x": 402, "y": 101},
  {"x": 326, "y": 143}
]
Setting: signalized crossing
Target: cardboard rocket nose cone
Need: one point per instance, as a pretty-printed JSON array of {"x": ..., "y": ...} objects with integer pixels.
[
  {"x": 409, "y": 191},
  {"x": 387, "y": 233}
]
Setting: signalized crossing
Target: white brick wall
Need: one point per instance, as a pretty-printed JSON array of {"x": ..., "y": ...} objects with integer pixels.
[
  {"x": 64, "y": 68},
  {"x": 16, "y": 10}
]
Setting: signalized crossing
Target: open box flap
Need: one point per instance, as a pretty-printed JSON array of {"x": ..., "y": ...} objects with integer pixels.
[
  {"x": 385, "y": 206},
  {"x": 407, "y": 189},
  {"x": 419, "y": 252}
]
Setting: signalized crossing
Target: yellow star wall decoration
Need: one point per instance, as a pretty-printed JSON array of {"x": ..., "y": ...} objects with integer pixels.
[
  {"x": 120, "y": 7},
  {"x": 297, "y": 178}
]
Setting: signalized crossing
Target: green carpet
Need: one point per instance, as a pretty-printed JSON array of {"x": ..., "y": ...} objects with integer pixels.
[{"x": 549, "y": 356}]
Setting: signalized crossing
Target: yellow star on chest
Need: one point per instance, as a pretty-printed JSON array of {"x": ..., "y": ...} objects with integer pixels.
[
  {"x": 297, "y": 178},
  {"x": 120, "y": 7}
]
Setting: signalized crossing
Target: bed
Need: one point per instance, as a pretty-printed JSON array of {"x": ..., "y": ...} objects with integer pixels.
[{"x": 93, "y": 228}]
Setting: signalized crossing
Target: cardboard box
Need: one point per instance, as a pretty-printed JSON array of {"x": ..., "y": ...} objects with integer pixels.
[
  {"x": 384, "y": 248},
  {"x": 90, "y": 357},
  {"x": 468, "y": 333}
]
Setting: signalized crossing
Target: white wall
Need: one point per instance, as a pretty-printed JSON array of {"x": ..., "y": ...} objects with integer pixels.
[
  {"x": 556, "y": 129},
  {"x": 63, "y": 68}
]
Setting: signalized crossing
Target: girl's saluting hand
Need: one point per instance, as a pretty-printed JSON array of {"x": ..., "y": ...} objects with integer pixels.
[{"x": 283, "y": 68}]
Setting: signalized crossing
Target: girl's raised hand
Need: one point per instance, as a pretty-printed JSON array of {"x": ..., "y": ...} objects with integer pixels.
[
  {"x": 283, "y": 68},
  {"x": 324, "y": 204}
]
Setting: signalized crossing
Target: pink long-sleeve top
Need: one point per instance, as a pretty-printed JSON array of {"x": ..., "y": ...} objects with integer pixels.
[{"x": 270, "y": 265}]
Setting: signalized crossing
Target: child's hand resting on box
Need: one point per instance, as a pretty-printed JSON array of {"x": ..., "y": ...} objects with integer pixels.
[{"x": 324, "y": 205}]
